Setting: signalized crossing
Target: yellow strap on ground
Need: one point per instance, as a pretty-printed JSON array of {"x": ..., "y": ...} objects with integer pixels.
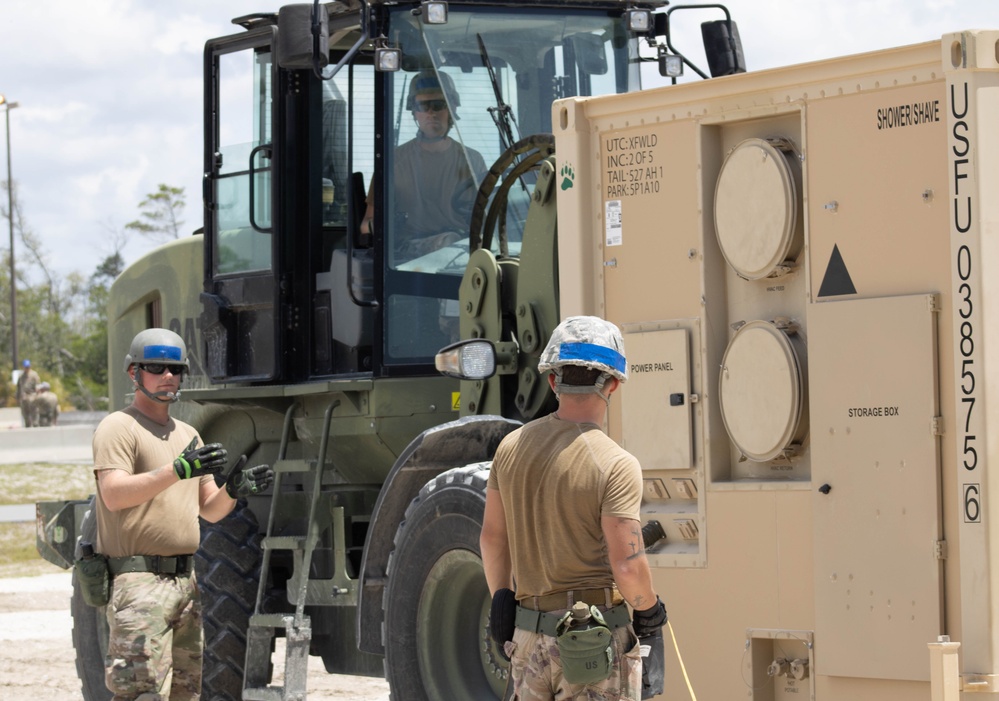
[{"x": 683, "y": 668}]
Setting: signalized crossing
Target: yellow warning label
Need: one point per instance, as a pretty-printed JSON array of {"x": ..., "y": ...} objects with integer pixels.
[{"x": 455, "y": 401}]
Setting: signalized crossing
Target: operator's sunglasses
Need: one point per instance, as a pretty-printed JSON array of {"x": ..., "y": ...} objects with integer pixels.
[
  {"x": 160, "y": 368},
  {"x": 431, "y": 105}
]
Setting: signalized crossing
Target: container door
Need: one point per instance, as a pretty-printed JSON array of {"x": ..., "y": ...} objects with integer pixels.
[{"x": 876, "y": 473}]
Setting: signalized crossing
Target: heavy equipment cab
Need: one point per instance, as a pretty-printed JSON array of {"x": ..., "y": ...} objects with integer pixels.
[{"x": 293, "y": 290}]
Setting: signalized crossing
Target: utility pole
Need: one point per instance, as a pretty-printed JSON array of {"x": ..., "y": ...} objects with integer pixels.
[{"x": 10, "y": 220}]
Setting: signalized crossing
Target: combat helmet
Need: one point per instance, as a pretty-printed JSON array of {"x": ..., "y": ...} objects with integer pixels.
[
  {"x": 157, "y": 346},
  {"x": 587, "y": 341},
  {"x": 429, "y": 81},
  {"x": 160, "y": 346}
]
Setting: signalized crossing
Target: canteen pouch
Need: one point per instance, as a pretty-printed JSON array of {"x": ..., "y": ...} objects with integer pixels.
[
  {"x": 587, "y": 650},
  {"x": 95, "y": 580}
]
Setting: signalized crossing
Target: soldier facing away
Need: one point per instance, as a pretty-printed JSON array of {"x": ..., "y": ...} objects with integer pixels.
[{"x": 562, "y": 478}]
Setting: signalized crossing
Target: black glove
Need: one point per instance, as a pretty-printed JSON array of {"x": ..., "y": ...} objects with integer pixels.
[
  {"x": 242, "y": 482},
  {"x": 502, "y": 616},
  {"x": 650, "y": 620},
  {"x": 653, "y": 664},
  {"x": 206, "y": 460}
]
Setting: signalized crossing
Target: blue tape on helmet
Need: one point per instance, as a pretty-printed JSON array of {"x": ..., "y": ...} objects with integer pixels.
[
  {"x": 161, "y": 353},
  {"x": 590, "y": 352}
]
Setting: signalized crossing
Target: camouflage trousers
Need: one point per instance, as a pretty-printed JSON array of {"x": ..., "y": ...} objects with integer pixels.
[
  {"x": 156, "y": 639},
  {"x": 29, "y": 412},
  {"x": 536, "y": 670}
]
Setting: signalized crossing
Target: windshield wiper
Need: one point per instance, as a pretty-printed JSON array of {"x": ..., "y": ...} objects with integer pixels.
[{"x": 502, "y": 113}]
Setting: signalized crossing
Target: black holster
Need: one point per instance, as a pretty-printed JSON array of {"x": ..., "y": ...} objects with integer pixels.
[{"x": 653, "y": 664}]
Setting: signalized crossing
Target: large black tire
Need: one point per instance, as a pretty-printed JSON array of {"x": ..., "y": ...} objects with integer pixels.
[
  {"x": 437, "y": 645},
  {"x": 228, "y": 567},
  {"x": 90, "y": 639}
]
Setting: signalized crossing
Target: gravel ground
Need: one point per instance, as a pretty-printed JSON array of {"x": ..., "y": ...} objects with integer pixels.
[{"x": 37, "y": 657}]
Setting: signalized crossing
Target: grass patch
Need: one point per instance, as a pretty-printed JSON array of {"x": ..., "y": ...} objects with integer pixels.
[
  {"x": 19, "y": 543},
  {"x": 18, "y": 555},
  {"x": 31, "y": 482},
  {"x": 27, "y": 484}
]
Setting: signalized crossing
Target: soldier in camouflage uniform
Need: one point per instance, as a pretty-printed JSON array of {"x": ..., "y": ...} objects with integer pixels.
[
  {"x": 562, "y": 525},
  {"x": 27, "y": 384},
  {"x": 46, "y": 405},
  {"x": 154, "y": 479}
]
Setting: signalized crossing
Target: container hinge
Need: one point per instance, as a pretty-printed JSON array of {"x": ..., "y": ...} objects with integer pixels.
[
  {"x": 936, "y": 426},
  {"x": 940, "y": 549}
]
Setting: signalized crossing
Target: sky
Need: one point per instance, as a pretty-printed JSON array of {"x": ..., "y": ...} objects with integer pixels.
[{"x": 110, "y": 96}]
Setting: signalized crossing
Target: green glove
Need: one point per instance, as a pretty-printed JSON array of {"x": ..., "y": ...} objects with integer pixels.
[
  {"x": 242, "y": 482},
  {"x": 194, "y": 462}
]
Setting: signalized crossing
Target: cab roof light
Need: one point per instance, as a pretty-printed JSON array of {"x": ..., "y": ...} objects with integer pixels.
[
  {"x": 670, "y": 65},
  {"x": 638, "y": 21},
  {"x": 388, "y": 59},
  {"x": 434, "y": 12}
]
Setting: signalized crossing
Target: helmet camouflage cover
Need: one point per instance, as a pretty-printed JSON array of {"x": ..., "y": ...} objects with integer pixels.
[{"x": 587, "y": 341}]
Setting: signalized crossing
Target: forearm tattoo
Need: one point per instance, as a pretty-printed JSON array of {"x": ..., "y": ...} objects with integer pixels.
[{"x": 636, "y": 543}]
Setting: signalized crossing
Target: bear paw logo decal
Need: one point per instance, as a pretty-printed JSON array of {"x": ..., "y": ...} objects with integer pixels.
[{"x": 568, "y": 177}]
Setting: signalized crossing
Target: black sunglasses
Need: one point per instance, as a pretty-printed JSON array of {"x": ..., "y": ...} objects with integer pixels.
[
  {"x": 160, "y": 368},
  {"x": 431, "y": 105}
]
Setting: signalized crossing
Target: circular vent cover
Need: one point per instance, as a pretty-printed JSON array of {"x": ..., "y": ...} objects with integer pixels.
[
  {"x": 761, "y": 393},
  {"x": 756, "y": 208}
]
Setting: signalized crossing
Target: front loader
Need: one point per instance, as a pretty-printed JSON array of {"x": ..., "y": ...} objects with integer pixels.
[{"x": 313, "y": 341}]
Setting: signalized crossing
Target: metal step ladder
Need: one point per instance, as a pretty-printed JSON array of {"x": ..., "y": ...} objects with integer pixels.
[{"x": 302, "y": 590}]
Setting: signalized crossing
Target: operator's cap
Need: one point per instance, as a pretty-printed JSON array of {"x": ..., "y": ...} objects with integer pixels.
[
  {"x": 429, "y": 81},
  {"x": 26, "y": 363},
  {"x": 44, "y": 387}
]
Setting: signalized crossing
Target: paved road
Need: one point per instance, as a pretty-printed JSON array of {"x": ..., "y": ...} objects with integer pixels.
[
  {"x": 17, "y": 513},
  {"x": 69, "y": 442}
]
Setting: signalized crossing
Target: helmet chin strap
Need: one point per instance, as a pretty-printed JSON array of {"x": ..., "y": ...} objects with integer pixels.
[{"x": 162, "y": 397}]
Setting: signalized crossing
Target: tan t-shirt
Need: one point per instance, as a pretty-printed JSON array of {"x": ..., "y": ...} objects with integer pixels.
[
  {"x": 167, "y": 524},
  {"x": 557, "y": 479}
]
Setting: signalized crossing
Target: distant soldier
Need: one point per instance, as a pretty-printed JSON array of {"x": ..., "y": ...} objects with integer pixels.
[
  {"x": 47, "y": 405},
  {"x": 27, "y": 383}
]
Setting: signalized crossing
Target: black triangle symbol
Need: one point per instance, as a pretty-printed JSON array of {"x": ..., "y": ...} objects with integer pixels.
[{"x": 837, "y": 280}]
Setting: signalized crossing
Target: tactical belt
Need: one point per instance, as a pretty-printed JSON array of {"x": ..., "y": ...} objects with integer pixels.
[
  {"x": 157, "y": 564},
  {"x": 541, "y": 622},
  {"x": 565, "y": 599}
]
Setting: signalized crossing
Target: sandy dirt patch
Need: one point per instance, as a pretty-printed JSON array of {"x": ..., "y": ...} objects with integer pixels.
[{"x": 37, "y": 657}]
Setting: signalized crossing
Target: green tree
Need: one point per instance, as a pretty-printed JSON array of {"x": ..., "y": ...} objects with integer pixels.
[
  {"x": 160, "y": 214},
  {"x": 86, "y": 381},
  {"x": 48, "y": 313}
]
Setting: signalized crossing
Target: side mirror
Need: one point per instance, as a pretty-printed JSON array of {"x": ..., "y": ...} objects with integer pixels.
[
  {"x": 467, "y": 360},
  {"x": 723, "y": 47},
  {"x": 303, "y": 40}
]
